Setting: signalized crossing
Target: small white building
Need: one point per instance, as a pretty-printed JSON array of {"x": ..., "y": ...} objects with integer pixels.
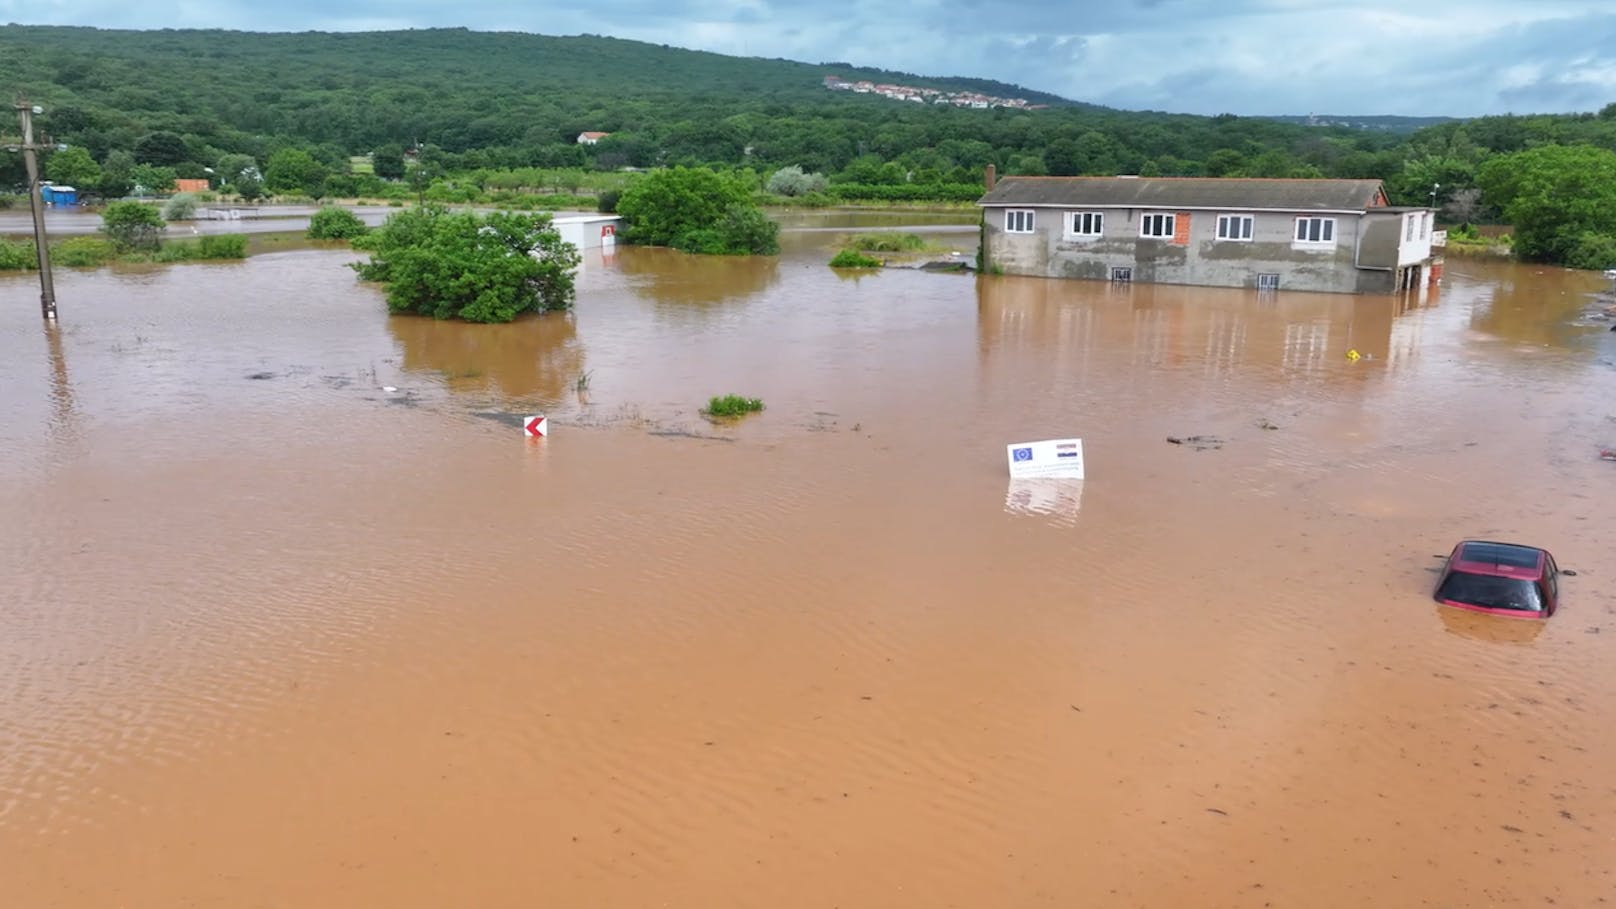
[
  {"x": 588, "y": 231},
  {"x": 591, "y": 138}
]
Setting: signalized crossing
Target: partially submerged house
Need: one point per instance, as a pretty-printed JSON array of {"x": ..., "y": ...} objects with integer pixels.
[{"x": 1319, "y": 235}]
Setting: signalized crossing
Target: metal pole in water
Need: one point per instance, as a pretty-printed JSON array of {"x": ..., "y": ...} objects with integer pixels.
[{"x": 47, "y": 289}]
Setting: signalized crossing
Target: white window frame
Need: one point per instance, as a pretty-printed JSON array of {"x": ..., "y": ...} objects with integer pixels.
[
  {"x": 1161, "y": 220},
  {"x": 1237, "y": 228},
  {"x": 1425, "y": 226},
  {"x": 1075, "y": 222},
  {"x": 1267, "y": 281},
  {"x": 1408, "y": 235},
  {"x": 1313, "y": 230},
  {"x": 1019, "y": 221}
]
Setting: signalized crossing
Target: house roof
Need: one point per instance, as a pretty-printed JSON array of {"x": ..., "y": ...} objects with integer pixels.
[
  {"x": 588, "y": 135},
  {"x": 1239, "y": 194}
]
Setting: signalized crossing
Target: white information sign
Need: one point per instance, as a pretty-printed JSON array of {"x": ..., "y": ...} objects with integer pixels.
[{"x": 1054, "y": 459}]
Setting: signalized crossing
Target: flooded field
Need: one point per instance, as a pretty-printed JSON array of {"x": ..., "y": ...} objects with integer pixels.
[{"x": 295, "y": 616}]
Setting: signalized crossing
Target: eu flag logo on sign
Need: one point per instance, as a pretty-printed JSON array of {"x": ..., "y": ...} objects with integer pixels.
[{"x": 1023, "y": 454}]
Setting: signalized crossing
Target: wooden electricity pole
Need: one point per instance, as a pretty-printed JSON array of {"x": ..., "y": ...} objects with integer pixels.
[{"x": 47, "y": 290}]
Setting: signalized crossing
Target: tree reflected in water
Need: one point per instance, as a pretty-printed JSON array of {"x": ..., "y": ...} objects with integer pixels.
[{"x": 535, "y": 357}]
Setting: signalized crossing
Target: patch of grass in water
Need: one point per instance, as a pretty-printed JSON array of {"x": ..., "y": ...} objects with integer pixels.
[
  {"x": 732, "y": 406},
  {"x": 849, "y": 258}
]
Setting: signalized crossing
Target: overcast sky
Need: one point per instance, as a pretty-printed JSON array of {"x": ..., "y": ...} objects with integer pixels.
[{"x": 1421, "y": 57}]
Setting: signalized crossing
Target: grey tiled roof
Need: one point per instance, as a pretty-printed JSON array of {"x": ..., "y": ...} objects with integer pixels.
[{"x": 1234, "y": 194}]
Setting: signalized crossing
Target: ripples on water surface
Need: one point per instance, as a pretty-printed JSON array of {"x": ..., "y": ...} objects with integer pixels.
[{"x": 274, "y": 633}]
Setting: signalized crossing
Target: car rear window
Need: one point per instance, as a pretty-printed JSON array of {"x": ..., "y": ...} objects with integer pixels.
[{"x": 1491, "y": 592}]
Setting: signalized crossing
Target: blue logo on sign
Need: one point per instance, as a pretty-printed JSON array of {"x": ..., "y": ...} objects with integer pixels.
[{"x": 1022, "y": 454}]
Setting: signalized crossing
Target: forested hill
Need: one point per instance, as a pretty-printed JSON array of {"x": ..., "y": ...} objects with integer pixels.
[{"x": 455, "y": 87}]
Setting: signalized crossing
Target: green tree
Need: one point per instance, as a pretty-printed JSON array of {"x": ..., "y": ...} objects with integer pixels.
[
  {"x": 696, "y": 210},
  {"x": 293, "y": 170},
  {"x": 1561, "y": 200},
  {"x": 467, "y": 266},
  {"x": 161, "y": 149},
  {"x": 388, "y": 161},
  {"x": 117, "y": 175},
  {"x": 152, "y": 179},
  {"x": 132, "y": 225},
  {"x": 333, "y": 223},
  {"x": 73, "y": 167}
]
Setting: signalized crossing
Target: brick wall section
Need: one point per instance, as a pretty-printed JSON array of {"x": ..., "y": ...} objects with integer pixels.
[{"x": 1181, "y": 229}]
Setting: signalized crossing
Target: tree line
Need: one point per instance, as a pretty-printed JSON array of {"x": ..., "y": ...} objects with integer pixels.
[{"x": 455, "y": 115}]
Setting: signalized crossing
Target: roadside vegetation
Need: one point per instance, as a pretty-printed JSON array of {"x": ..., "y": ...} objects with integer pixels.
[
  {"x": 731, "y": 406},
  {"x": 92, "y": 252},
  {"x": 136, "y": 111},
  {"x": 463, "y": 265}
]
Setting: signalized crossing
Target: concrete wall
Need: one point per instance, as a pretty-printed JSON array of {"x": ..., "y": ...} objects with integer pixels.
[{"x": 1201, "y": 259}]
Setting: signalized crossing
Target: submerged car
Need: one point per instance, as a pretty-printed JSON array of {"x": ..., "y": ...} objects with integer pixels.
[{"x": 1500, "y": 578}]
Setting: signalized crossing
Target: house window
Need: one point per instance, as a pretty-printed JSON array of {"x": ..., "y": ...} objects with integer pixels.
[
  {"x": 1267, "y": 282},
  {"x": 1315, "y": 230},
  {"x": 1425, "y": 225},
  {"x": 1018, "y": 221},
  {"x": 1157, "y": 226},
  {"x": 1122, "y": 275},
  {"x": 1235, "y": 227},
  {"x": 1409, "y": 234},
  {"x": 1085, "y": 224}
]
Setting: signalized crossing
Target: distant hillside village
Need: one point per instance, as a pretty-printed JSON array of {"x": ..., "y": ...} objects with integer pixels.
[{"x": 932, "y": 95}]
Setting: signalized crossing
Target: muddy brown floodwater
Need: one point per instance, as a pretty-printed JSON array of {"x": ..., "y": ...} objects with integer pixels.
[{"x": 272, "y": 634}]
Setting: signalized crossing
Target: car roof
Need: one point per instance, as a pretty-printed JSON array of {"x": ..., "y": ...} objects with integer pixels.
[{"x": 1510, "y": 560}]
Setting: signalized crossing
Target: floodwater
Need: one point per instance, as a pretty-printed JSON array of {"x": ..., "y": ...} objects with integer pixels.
[{"x": 295, "y": 616}]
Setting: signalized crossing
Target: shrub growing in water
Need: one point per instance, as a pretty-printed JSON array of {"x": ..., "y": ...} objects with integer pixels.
[
  {"x": 698, "y": 210},
  {"x": 467, "y": 266},
  {"x": 132, "y": 225},
  {"x": 733, "y": 406},
  {"x": 333, "y": 223},
  {"x": 851, "y": 258}
]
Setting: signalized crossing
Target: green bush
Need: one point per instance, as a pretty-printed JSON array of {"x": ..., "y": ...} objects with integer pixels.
[
  {"x": 1593, "y": 251},
  {"x": 17, "y": 255},
  {"x": 333, "y": 223},
  {"x": 222, "y": 246},
  {"x": 467, "y": 266},
  {"x": 83, "y": 252},
  {"x": 606, "y": 202},
  {"x": 733, "y": 406},
  {"x": 180, "y": 208},
  {"x": 696, "y": 209},
  {"x": 850, "y": 258},
  {"x": 888, "y": 242},
  {"x": 132, "y": 225}
]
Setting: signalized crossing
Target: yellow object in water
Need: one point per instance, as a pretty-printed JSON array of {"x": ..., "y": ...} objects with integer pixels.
[{"x": 1353, "y": 355}]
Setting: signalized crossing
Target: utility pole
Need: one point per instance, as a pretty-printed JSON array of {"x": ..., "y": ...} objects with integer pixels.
[{"x": 47, "y": 290}]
